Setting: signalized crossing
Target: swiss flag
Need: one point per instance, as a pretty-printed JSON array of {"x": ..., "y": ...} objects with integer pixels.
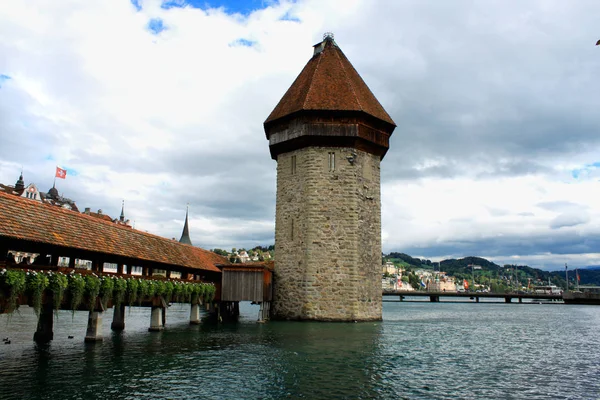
[{"x": 61, "y": 173}]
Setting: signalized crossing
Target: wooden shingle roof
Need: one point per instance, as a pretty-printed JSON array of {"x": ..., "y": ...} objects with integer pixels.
[
  {"x": 29, "y": 220},
  {"x": 329, "y": 82}
]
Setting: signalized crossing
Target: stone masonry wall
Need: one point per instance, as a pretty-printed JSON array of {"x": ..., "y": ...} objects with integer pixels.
[{"x": 328, "y": 236}]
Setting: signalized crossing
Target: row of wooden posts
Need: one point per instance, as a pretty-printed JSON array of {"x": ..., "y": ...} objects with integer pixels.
[{"x": 45, "y": 326}]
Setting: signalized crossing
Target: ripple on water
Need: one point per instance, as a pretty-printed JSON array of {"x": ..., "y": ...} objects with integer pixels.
[{"x": 419, "y": 351}]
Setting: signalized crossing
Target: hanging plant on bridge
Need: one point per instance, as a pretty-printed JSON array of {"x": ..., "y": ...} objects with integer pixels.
[
  {"x": 158, "y": 288},
  {"x": 210, "y": 292},
  {"x": 145, "y": 290},
  {"x": 76, "y": 289},
  {"x": 57, "y": 284},
  {"x": 36, "y": 284},
  {"x": 133, "y": 290},
  {"x": 13, "y": 284},
  {"x": 169, "y": 288},
  {"x": 92, "y": 289},
  {"x": 120, "y": 288},
  {"x": 188, "y": 288},
  {"x": 107, "y": 285},
  {"x": 197, "y": 291},
  {"x": 178, "y": 291}
]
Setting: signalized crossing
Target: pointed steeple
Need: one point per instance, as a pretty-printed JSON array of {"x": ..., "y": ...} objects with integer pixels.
[
  {"x": 185, "y": 235},
  {"x": 122, "y": 217},
  {"x": 20, "y": 185}
]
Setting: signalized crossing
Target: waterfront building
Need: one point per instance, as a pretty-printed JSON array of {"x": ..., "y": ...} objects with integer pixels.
[
  {"x": 328, "y": 135},
  {"x": 390, "y": 268},
  {"x": 32, "y": 192}
]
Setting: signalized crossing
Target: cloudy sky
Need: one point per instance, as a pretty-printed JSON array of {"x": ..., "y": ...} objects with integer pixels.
[{"x": 161, "y": 104}]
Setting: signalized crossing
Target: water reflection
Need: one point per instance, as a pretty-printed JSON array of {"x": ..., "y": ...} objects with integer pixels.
[{"x": 325, "y": 359}]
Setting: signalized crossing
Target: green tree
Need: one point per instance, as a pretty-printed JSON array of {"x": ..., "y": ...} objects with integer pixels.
[
  {"x": 220, "y": 252},
  {"x": 413, "y": 279}
]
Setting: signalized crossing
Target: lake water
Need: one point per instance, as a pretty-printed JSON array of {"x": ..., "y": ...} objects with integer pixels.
[{"x": 420, "y": 350}]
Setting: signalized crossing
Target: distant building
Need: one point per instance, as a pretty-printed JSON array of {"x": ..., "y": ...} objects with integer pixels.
[
  {"x": 390, "y": 268},
  {"x": 100, "y": 215},
  {"x": 243, "y": 256},
  {"x": 52, "y": 197},
  {"x": 32, "y": 192}
]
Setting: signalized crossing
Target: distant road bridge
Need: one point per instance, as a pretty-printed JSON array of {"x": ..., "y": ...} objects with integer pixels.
[{"x": 435, "y": 296}]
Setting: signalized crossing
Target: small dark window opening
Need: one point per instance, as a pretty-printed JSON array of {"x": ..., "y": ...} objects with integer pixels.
[
  {"x": 292, "y": 231},
  {"x": 331, "y": 161}
]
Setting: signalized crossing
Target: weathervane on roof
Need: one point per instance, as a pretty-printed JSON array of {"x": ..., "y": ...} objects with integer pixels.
[{"x": 328, "y": 35}]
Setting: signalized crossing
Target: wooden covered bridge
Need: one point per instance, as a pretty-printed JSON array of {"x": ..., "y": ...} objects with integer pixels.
[{"x": 38, "y": 236}]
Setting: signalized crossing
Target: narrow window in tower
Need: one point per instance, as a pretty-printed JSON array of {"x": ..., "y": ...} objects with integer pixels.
[
  {"x": 292, "y": 230},
  {"x": 331, "y": 161},
  {"x": 293, "y": 165}
]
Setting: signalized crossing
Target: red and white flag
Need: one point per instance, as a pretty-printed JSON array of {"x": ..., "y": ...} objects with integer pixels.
[{"x": 61, "y": 173}]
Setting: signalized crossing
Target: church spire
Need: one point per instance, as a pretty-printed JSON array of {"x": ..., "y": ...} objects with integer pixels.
[
  {"x": 20, "y": 185},
  {"x": 185, "y": 235},
  {"x": 122, "y": 217}
]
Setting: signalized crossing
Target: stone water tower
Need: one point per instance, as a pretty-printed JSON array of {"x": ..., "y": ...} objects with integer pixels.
[{"x": 328, "y": 135}]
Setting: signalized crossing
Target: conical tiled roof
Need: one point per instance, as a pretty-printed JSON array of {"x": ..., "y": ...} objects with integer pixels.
[{"x": 329, "y": 82}]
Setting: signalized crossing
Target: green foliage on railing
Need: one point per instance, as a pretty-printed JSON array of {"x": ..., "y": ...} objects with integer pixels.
[
  {"x": 58, "y": 283},
  {"x": 169, "y": 288},
  {"x": 210, "y": 293},
  {"x": 178, "y": 289},
  {"x": 37, "y": 282},
  {"x": 133, "y": 290},
  {"x": 92, "y": 289},
  {"x": 14, "y": 283},
  {"x": 144, "y": 289},
  {"x": 107, "y": 286},
  {"x": 77, "y": 290},
  {"x": 120, "y": 288}
]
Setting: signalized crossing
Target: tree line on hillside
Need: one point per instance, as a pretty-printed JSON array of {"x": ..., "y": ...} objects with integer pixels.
[
  {"x": 492, "y": 273},
  {"x": 262, "y": 252}
]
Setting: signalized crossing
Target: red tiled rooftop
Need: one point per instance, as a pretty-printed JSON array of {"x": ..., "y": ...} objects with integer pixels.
[
  {"x": 25, "y": 219},
  {"x": 329, "y": 82}
]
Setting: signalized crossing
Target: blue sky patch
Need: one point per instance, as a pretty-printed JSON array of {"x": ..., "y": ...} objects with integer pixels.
[
  {"x": 168, "y": 4},
  {"x": 3, "y": 78},
  {"x": 244, "y": 7},
  {"x": 155, "y": 25},
  {"x": 242, "y": 42},
  {"x": 576, "y": 173},
  {"x": 136, "y": 4},
  {"x": 288, "y": 17}
]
